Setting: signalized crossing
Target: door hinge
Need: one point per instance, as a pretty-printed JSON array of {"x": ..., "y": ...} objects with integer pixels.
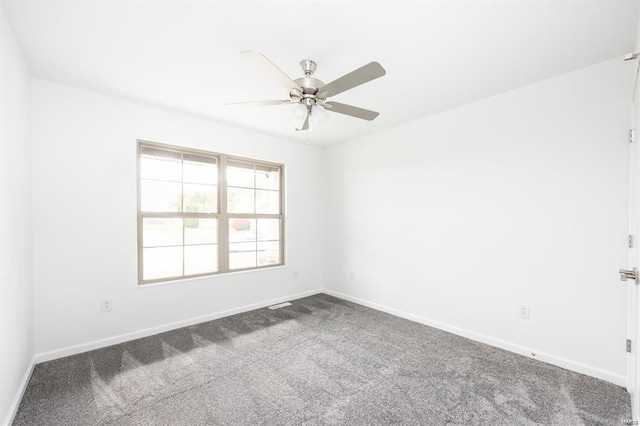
[
  {"x": 630, "y": 241},
  {"x": 629, "y": 345},
  {"x": 632, "y": 135},
  {"x": 630, "y": 274}
]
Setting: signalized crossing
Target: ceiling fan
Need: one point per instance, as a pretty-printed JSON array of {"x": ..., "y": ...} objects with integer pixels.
[{"x": 310, "y": 94}]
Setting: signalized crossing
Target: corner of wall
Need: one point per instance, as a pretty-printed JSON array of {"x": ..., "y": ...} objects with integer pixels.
[{"x": 17, "y": 343}]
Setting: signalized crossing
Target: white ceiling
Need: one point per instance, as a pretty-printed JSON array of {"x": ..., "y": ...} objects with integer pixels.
[{"x": 438, "y": 54}]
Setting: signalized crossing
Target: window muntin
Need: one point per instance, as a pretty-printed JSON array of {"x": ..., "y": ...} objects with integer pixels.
[{"x": 184, "y": 228}]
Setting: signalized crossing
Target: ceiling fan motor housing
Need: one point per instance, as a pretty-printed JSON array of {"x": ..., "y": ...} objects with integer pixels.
[{"x": 309, "y": 85}]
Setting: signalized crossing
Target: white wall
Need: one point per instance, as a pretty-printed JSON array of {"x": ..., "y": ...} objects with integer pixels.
[
  {"x": 16, "y": 331},
  {"x": 458, "y": 218},
  {"x": 84, "y": 220}
]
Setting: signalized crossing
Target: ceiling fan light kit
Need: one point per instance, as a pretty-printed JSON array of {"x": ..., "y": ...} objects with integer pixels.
[
  {"x": 299, "y": 111},
  {"x": 318, "y": 114},
  {"x": 309, "y": 95}
]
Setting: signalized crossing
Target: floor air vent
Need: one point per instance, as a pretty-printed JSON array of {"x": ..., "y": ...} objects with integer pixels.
[{"x": 280, "y": 305}]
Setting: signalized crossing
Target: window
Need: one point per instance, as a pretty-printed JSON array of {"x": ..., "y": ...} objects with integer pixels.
[{"x": 202, "y": 213}]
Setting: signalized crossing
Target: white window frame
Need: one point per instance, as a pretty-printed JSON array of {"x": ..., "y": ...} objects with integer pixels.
[{"x": 222, "y": 215}]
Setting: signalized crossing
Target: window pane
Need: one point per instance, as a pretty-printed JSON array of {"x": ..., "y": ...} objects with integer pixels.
[
  {"x": 200, "y": 198},
  {"x": 269, "y": 253},
  {"x": 240, "y": 174},
  {"x": 157, "y": 196},
  {"x": 242, "y": 255},
  {"x": 268, "y": 229},
  {"x": 241, "y": 229},
  {"x": 200, "y": 259},
  {"x": 161, "y": 232},
  {"x": 160, "y": 164},
  {"x": 267, "y": 202},
  {"x": 199, "y": 169},
  {"x": 162, "y": 262},
  {"x": 267, "y": 177},
  {"x": 240, "y": 200},
  {"x": 200, "y": 231}
]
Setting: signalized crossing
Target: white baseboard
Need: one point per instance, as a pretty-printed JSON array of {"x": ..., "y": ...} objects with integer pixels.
[
  {"x": 13, "y": 408},
  {"x": 568, "y": 364},
  {"x": 101, "y": 343},
  {"x": 565, "y": 363}
]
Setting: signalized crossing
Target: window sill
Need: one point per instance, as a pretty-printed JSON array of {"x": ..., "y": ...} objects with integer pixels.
[{"x": 207, "y": 277}]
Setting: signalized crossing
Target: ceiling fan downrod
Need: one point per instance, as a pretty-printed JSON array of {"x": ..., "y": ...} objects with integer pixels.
[{"x": 308, "y": 67}]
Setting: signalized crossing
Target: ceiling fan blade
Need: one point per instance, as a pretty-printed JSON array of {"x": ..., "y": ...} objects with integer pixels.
[
  {"x": 362, "y": 75},
  {"x": 305, "y": 126},
  {"x": 271, "y": 69},
  {"x": 351, "y": 110},
  {"x": 259, "y": 103}
]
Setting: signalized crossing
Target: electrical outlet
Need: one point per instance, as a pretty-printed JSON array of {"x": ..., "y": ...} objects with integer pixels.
[
  {"x": 524, "y": 312},
  {"x": 352, "y": 276},
  {"x": 106, "y": 305}
]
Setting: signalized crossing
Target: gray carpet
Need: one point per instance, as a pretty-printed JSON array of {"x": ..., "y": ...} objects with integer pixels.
[{"x": 320, "y": 361}]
